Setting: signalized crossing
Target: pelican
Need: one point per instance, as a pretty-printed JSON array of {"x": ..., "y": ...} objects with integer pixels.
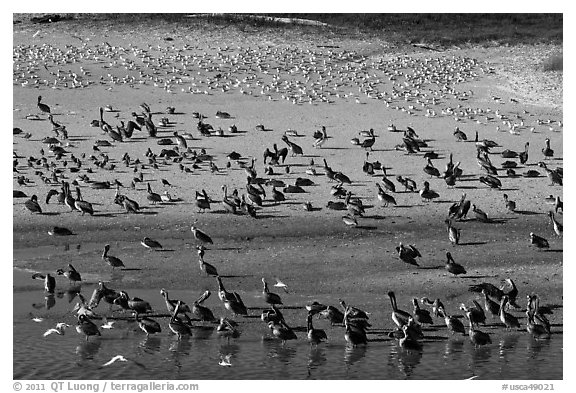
[
  {"x": 315, "y": 336},
  {"x": 111, "y": 260},
  {"x": 232, "y": 301},
  {"x": 269, "y": 297},
  {"x": 71, "y": 274},
  {"x": 478, "y": 337},
  {"x": 177, "y": 326},
  {"x": 421, "y": 316},
  {"x": 282, "y": 332},
  {"x": 148, "y": 325},
  {"x": 200, "y": 311},
  {"x": 43, "y": 107},
  {"x": 538, "y": 241},
  {"x": 558, "y": 228},
  {"x": 510, "y": 205},
  {"x": 399, "y": 317},
  {"x": 151, "y": 244},
  {"x": 33, "y": 205},
  {"x": 453, "y": 324},
  {"x": 87, "y": 327},
  {"x": 509, "y": 320},
  {"x": 201, "y": 236},
  {"x": 171, "y": 304},
  {"x": 452, "y": 266},
  {"x": 453, "y": 233}
]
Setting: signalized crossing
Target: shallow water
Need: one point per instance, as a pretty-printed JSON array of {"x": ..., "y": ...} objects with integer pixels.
[{"x": 255, "y": 354}]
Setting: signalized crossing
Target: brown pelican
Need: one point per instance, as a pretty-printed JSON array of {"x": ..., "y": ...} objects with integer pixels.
[
  {"x": 183, "y": 308},
  {"x": 353, "y": 336},
  {"x": 453, "y": 324},
  {"x": 111, "y": 260},
  {"x": 201, "y": 236},
  {"x": 178, "y": 326},
  {"x": 453, "y": 233},
  {"x": 399, "y": 317},
  {"x": 428, "y": 194},
  {"x": 201, "y": 312},
  {"x": 71, "y": 274},
  {"x": 282, "y": 332},
  {"x": 538, "y": 241},
  {"x": 452, "y": 266},
  {"x": 478, "y": 337},
  {"x": 43, "y": 107},
  {"x": 490, "y": 306},
  {"x": 420, "y": 315},
  {"x": 315, "y": 336},
  {"x": 33, "y": 205},
  {"x": 269, "y": 297},
  {"x": 87, "y": 327},
  {"x": 510, "y": 205},
  {"x": 547, "y": 151},
  {"x": 148, "y": 325},
  {"x": 81, "y": 205},
  {"x": 507, "y": 319},
  {"x": 232, "y": 301},
  {"x": 558, "y": 228}
]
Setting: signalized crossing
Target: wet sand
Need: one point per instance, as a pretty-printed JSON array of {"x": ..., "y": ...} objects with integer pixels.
[{"x": 312, "y": 251}]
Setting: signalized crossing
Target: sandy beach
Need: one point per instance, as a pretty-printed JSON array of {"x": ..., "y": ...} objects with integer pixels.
[{"x": 287, "y": 80}]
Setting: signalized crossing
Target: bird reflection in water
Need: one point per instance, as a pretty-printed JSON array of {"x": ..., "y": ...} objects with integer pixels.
[
  {"x": 180, "y": 348},
  {"x": 316, "y": 358},
  {"x": 88, "y": 349},
  {"x": 203, "y": 332},
  {"x": 453, "y": 346},
  {"x": 229, "y": 349},
  {"x": 408, "y": 359},
  {"x": 49, "y": 302},
  {"x": 536, "y": 345},
  {"x": 277, "y": 350},
  {"x": 481, "y": 355},
  {"x": 507, "y": 344},
  {"x": 70, "y": 293},
  {"x": 353, "y": 354},
  {"x": 151, "y": 344}
]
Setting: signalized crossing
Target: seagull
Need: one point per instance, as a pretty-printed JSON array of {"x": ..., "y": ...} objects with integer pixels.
[
  {"x": 107, "y": 324},
  {"x": 60, "y": 329},
  {"x": 225, "y": 360},
  {"x": 114, "y": 359},
  {"x": 280, "y": 284}
]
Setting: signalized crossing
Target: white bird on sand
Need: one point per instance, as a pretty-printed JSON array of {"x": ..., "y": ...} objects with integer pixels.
[
  {"x": 114, "y": 359},
  {"x": 225, "y": 360},
  {"x": 60, "y": 329},
  {"x": 280, "y": 284}
]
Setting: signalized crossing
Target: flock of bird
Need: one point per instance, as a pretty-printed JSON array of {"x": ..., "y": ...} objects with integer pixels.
[{"x": 410, "y": 85}]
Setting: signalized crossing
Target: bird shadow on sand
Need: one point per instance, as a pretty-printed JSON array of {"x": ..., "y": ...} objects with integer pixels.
[
  {"x": 476, "y": 277},
  {"x": 131, "y": 269},
  {"x": 473, "y": 243},
  {"x": 50, "y": 213},
  {"x": 556, "y": 250},
  {"x": 431, "y": 267},
  {"x": 366, "y": 227},
  {"x": 105, "y": 215},
  {"x": 526, "y": 212},
  {"x": 236, "y": 275}
]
